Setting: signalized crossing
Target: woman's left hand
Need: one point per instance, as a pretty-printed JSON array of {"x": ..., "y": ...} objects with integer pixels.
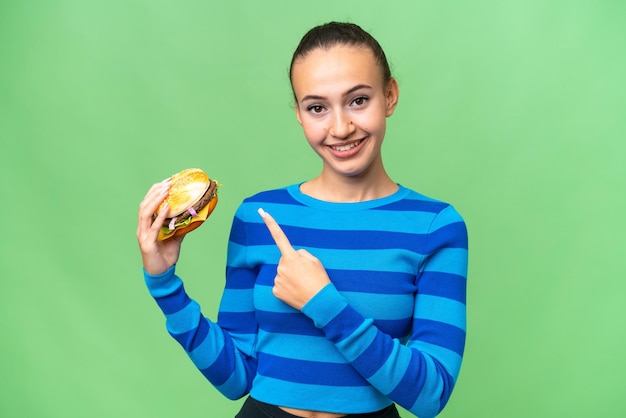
[{"x": 300, "y": 275}]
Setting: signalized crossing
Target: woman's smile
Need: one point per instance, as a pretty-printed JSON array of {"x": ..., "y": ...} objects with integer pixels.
[{"x": 347, "y": 149}]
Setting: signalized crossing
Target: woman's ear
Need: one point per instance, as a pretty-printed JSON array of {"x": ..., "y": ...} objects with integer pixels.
[
  {"x": 298, "y": 113},
  {"x": 392, "y": 95}
]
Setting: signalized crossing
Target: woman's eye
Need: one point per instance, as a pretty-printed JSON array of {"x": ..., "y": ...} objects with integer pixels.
[
  {"x": 315, "y": 109},
  {"x": 359, "y": 101}
]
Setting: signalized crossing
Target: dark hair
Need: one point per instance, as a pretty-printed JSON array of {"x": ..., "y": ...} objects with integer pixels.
[{"x": 339, "y": 33}]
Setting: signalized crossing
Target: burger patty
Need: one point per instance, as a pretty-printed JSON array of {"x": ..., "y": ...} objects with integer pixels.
[{"x": 204, "y": 200}]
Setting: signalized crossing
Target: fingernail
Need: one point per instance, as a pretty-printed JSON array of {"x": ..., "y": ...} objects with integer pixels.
[{"x": 262, "y": 213}]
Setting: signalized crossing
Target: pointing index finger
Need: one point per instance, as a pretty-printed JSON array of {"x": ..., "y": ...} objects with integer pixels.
[{"x": 281, "y": 240}]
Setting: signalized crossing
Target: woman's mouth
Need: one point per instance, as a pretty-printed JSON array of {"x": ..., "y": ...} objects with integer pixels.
[{"x": 346, "y": 147}]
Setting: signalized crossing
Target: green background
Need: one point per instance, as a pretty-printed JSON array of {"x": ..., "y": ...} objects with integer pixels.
[{"x": 511, "y": 110}]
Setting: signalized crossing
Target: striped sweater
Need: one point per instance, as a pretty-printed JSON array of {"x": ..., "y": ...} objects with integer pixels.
[{"x": 390, "y": 327}]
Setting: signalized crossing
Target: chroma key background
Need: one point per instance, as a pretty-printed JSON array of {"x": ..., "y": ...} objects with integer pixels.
[{"x": 512, "y": 111}]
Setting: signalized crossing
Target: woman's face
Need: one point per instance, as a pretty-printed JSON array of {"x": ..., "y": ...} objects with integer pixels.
[{"x": 342, "y": 105}]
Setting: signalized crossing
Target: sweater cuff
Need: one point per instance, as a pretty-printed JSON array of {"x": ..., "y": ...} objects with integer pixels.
[
  {"x": 325, "y": 305},
  {"x": 162, "y": 284}
]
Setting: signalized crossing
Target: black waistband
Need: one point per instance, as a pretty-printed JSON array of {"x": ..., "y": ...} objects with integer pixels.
[{"x": 253, "y": 408}]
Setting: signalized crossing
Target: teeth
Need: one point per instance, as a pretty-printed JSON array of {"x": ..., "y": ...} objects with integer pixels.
[{"x": 346, "y": 147}]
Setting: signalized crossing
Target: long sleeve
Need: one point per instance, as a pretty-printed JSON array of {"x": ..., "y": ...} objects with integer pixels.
[
  {"x": 224, "y": 352},
  {"x": 420, "y": 374}
]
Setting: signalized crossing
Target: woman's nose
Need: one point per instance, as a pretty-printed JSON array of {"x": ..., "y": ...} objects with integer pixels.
[{"x": 342, "y": 125}]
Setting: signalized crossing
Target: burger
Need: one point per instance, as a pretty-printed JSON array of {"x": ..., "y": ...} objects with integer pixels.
[{"x": 191, "y": 199}]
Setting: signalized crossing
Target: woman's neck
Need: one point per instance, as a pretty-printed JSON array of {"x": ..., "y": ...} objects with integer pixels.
[{"x": 349, "y": 189}]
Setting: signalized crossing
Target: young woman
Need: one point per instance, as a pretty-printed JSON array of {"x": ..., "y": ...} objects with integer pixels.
[{"x": 345, "y": 294}]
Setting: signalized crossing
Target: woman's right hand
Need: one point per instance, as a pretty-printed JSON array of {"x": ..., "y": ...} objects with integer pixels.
[{"x": 157, "y": 256}]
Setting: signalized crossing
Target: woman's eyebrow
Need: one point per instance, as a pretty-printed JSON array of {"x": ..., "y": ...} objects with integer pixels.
[
  {"x": 357, "y": 87},
  {"x": 311, "y": 97},
  {"x": 347, "y": 93}
]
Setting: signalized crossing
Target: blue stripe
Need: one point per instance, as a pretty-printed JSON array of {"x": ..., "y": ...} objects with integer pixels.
[
  {"x": 237, "y": 385},
  {"x": 237, "y": 300},
  {"x": 237, "y": 231},
  {"x": 377, "y": 305},
  {"x": 309, "y": 372},
  {"x": 436, "y": 389},
  {"x": 397, "y": 261},
  {"x": 347, "y": 239},
  {"x": 441, "y": 261},
  {"x": 184, "y": 320},
  {"x": 450, "y": 359},
  {"x": 452, "y": 236},
  {"x": 192, "y": 339},
  {"x": 411, "y": 383},
  {"x": 389, "y": 283},
  {"x": 221, "y": 369},
  {"x": 440, "y": 309},
  {"x": 448, "y": 384},
  {"x": 366, "y": 220},
  {"x": 374, "y": 260},
  {"x": 267, "y": 302},
  {"x": 355, "y": 240},
  {"x": 412, "y": 204},
  {"x": 373, "y": 357},
  {"x": 243, "y": 322},
  {"x": 446, "y": 216},
  {"x": 273, "y": 196},
  {"x": 439, "y": 333},
  {"x": 351, "y": 350},
  {"x": 204, "y": 355},
  {"x": 240, "y": 278},
  {"x": 292, "y": 347},
  {"x": 266, "y": 276},
  {"x": 394, "y": 367},
  {"x": 173, "y": 302},
  {"x": 395, "y": 322},
  {"x": 396, "y": 328},
  {"x": 445, "y": 285},
  {"x": 287, "y": 323},
  {"x": 236, "y": 257},
  {"x": 162, "y": 284},
  {"x": 344, "y": 324}
]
